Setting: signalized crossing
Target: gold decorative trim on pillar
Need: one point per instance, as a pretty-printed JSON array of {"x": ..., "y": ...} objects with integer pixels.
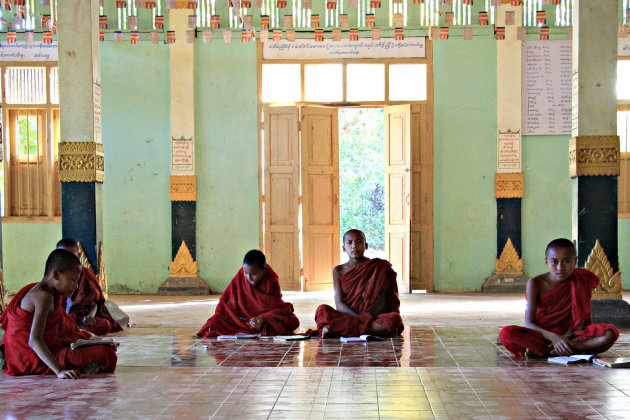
[
  {"x": 183, "y": 188},
  {"x": 183, "y": 265},
  {"x": 609, "y": 282},
  {"x": 508, "y": 185},
  {"x": 83, "y": 257},
  {"x": 81, "y": 162},
  {"x": 4, "y": 295},
  {"x": 594, "y": 156},
  {"x": 102, "y": 275},
  {"x": 509, "y": 262}
]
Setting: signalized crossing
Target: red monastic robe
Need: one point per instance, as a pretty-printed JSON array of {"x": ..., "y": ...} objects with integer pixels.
[
  {"x": 362, "y": 288},
  {"x": 88, "y": 294},
  {"x": 242, "y": 300},
  {"x": 60, "y": 332},
  {"x": 563, "y": 308}
]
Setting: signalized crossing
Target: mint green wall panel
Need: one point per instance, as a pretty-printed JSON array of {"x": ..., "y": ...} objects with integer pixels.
[{"x": 624, "y": 252}]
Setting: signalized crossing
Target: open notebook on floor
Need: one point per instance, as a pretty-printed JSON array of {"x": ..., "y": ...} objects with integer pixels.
[
  {"x": 572, "y": 360},
  {"x": 94, "y": 341},
  {"x": 239, "y": 336},
  {"x": 613, "y": 362},
  {"x": 296, "y": 337},
  {"x": 364, "y": 337}
]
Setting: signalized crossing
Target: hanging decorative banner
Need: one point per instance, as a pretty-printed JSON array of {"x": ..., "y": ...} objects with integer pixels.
[
  {"x": 433, "y": 33},
  {"x": 353, "y": 4},
  {"x": 555, "y": 2},
  {"x": 192, "y": 21},
  {"x": 215, "y": 21},
  {"x": 227, "y": 36},
  {"x": 53, "y": 28},
  {"x": 521, "y": 33},
  {"x": 291, "y": 35},
  {"x": 245, "y": 35},
  {"x": 171, "y": 4},
  {"x": 191, "y": 36},
  {"x": 11, "y": 35},
  {"x": 516, "y": 2},
  {"x": 375, "y": 4},
  {"x": 134, "y": 37},
  {"x": 417, "y": 1},
  {"x": 499, "y": 33},
  {"x": 248, "y": 21},
  {"x": 18, "y": 2},
  {"x": 264, "y": 22},
  {"x": 6, "y": 4},
  {"x": 48, "y": 37},
  {"x": 154, "y": 37},
  {"x": 277, "y": 35},
  {"x": 398, "y": 2},
  {"x": 331, "y": 4},
  {"x": 288, "y": 21},
  {"x": 544, "y": 33},
  {"x": 307, "y": 4},
  {"x": 467, "y": 2},
  {"x": 370, "y": 20},
  {"x": 281, "y": 4},
  {"x": 121, "y": 4},
  {"x": 207, "y": 36},
  {"x": 46, "y": 21},
  {"x": 468, "y": 33},
  {"x": 444, "y": 32},
  {"x": 376, "y": 34},
  {"x": 314, "y": 21},
  {"x": 319, "y": 35},
  {"x": 19, "y": 20},
  {"x": 101, "y": 36},
  {"x": 496, "y": 3},
  {"x": 336, "y": 34},
  {"x": 398, "y": 19},
  {"x": 509, "y": 18},
  {"x": 246, "y": 4},
  {"x": 448, "y": 19},
  {"x": 29, "y": 35},
  {"x": 446, "y": 3},
  {"x": 149, "y": 4},
  {"x": 159, "y": 22},
  {"x": 170, "y": 37},
  {"x": 264, "y": 35},
  {"x": 541, "y": 17},
  {"x": 132, "y": 22},
  {"x": 258, "y": 3},
  {"x": 483, "y": 18},
  {"x": 399, "y": 34},
  {"x": 102, "y": 22},
  {"x": 344, "y": 21},
  {"x": 192, "y": 4},
  {"x": 354, "y": 34}
]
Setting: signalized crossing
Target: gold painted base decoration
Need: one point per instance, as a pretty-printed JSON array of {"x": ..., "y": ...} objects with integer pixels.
[
  {"x": 102, "y": 274},
  {"x": 509, "y": 261},
  {"x": 508, "y": 185},
  {"x": 609, "y": 283},
  {"x": 81, "y": 161},
  {"x": 183, "y": 265},
  {"x": 594, "y": 156},
  {"x": 83, "y": 256},
  {"x": 183, "y": 188}
]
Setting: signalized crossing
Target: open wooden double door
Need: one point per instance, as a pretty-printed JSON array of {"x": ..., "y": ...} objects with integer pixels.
[{"x": 301, "y": 166}]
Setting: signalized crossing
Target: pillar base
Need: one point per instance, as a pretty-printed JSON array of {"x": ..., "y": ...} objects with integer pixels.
[
  {"x": 118, "y": 314},
  {"x": 505, "y": 283},
  {"x": 183, "y": 286},
  {"x": 611, "y": 311}
]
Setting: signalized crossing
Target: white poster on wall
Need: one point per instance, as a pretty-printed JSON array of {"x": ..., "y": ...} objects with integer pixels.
[
  {"x": 329, "y": 49},
  {"x": 28, "y": 51}
]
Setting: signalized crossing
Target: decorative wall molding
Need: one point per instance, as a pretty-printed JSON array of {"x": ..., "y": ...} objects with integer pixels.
[
  {"x": 81, "y": 161},
  {"x": 594, "y": 156},
  {"x": 183, "y": 265},
  {"x": 509, "y": 261},
  {"x": 183, "y": 188},
  {"x": 83, "y": 256},
  {"x": 102, "y": 275},
  {"x": 609, "y": 282},
  {"x": 508, "y": 185}
]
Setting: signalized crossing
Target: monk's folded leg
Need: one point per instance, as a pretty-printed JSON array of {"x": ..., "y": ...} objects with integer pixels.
[
  {"x": 102, "y": 355},
  {"x": 100, "y": 327},
  {"x": 391, "y": 322},
  {"x": 338, "y": 322},
  {"x": 596, "y": 338},
  {"x": 519, "y": 339}
]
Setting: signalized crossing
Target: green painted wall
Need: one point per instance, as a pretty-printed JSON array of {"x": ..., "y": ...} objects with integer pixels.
[
  {"x": 465, "y": 83},
  {"x": 136, "y": 134},
  {"x": 226, "y": 158},
  {"x": 25, "y": 247},
  {"x": 624, "y": 252}
]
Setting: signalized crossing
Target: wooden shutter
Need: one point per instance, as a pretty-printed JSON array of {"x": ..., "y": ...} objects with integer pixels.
[{"x": 320, "y": 192}]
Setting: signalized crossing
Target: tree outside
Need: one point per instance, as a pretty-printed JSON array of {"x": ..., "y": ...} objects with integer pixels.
[{"x": 362, "y": 173}]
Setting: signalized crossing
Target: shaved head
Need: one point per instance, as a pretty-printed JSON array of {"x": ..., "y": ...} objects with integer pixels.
[{"x": 357, "y": 231}]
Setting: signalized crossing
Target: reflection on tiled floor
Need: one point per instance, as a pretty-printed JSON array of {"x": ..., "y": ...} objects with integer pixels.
[{"x": 451, "y": 370}]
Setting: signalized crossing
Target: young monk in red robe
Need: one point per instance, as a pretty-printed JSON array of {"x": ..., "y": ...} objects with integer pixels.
[
  {"x": 252, "y": 303},
  {"x": 558, "y": 313},
  {"x": 87, "y": 303},
  {"x": 366, "y": 295},
  {"x": 38, "y": 332}
]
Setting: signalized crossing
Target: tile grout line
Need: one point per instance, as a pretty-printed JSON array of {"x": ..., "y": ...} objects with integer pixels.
[{"x": 231, "y": 392}]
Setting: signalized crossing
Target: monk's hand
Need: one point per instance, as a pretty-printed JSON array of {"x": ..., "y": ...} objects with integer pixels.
[
  {"x": 69, "y": 374},
  {"x": 561, "y": 345},
  {"x": 257, "y": 322},
  {"x": 89, "y": 320}
]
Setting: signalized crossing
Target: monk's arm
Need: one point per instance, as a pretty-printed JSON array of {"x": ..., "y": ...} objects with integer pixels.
[
  {"x": 339, "y": 303},
  {"x": 559, "y": 342},
  {"x": 381, "y": 307},
  {"x": 43, "y": 304}
]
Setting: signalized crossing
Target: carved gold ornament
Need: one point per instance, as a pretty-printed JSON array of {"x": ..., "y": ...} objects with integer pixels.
[
  {"x": 81, "y": 162},
  {"x": 508, "y": 185},
  {"x": 609, "y": 283},
  {"x": 183, "y": 188},
  {"x": 102, "y": 275},
  {"x": 183, "y": 265},
  {"x": 594, "y": 156},
  {"x": 509, "y": 262},
  {"x": 83, "y": 256},
  {"x": 4, "y": 295}
]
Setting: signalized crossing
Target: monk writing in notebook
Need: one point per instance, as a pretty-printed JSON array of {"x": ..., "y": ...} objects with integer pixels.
[
  {"x": 38, "y": 332},
  {"x": 366, "y": 295},
  {"x": 252, "y": 303},
  {"x": 87, "y": 304},
  {"x": 558, "y": 312}
]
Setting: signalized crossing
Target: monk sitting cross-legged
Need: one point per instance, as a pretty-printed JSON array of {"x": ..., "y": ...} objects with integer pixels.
[
  {"x": 366, "y": 295},
  {"x": 252, "y": 303},
  {"x": 87, "y": 303},
  {"x": 38, "y": 332},
  {"x": 558, "y": 313}
]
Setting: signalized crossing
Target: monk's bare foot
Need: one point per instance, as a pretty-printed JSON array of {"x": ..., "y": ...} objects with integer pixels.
[
  {"x": 531, "y": 355},
  {"x": 326, "y": 332}
]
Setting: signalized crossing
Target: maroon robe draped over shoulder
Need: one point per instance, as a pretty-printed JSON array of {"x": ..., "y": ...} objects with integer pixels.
[
  {"x": 242, "y": 300},
  {"x": 563, "y": 308},
  {"x": 362, "y": 288},
  {"x": 88, "y": 294},
  {"x": 59, "y": 333}
]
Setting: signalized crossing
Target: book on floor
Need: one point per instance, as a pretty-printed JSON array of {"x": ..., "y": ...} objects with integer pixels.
[
  {"x": 94, "y": 341},
  {"x": 613, "y": 362},
  {"x": 239, "y": 336},
  {"x": 571, "y": 360},
  {"x": 364, "y": 337},
  {"x": 296, "y": 337}
]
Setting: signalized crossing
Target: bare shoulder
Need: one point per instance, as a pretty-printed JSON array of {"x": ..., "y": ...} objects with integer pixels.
[
  {"x": 35, "y": 298},
  {"x": 537, "y": 284},
  {"x": 340, "y": 270}
]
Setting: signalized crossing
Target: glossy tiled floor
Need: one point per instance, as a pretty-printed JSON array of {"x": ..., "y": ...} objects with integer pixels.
[{"x": 447, "y": 364}]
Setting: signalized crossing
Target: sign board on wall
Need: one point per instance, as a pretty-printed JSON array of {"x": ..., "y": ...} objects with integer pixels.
[
  {"x": 182, "y": 156},
  {"x": 28, "y": 51},
  {"x": 329, "y": 49},
  {"x": 509, "y": 151}
]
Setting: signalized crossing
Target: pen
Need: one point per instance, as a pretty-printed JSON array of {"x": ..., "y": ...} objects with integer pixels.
[{"x": 243, "y": 319}]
